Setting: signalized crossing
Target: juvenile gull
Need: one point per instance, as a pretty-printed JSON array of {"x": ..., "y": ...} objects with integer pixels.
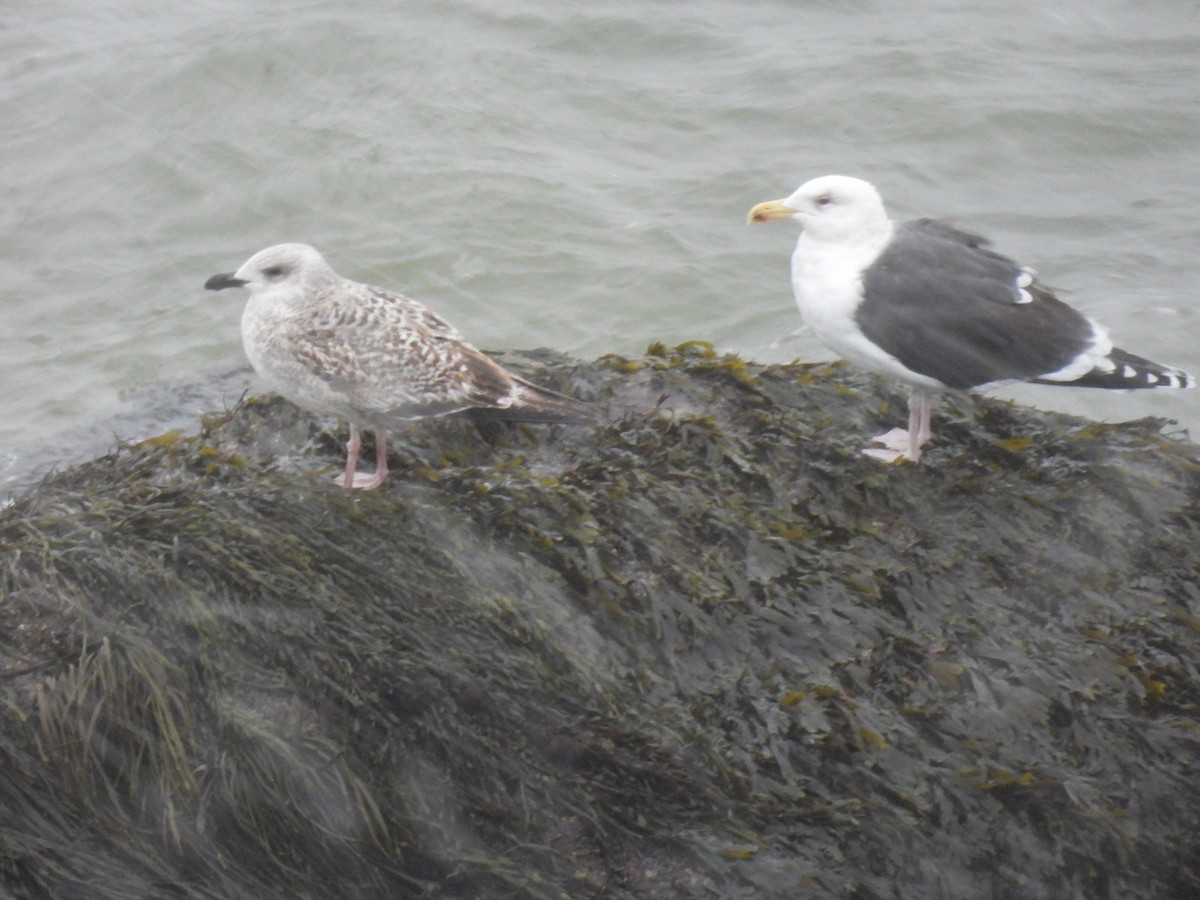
[
  {"x": 937, "y": 307},
  {"x": 373, "y": 357}
]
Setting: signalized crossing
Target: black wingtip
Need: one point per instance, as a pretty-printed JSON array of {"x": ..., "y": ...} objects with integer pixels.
[
  {"x": 222, "y": 281},
  {"x": 1126, "y": 372}
]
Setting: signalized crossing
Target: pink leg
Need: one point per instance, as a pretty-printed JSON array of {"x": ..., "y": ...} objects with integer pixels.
[
  {"x": 361, "y": 480},
  {"x": 901, "y": 444},
  {"x": 381, "y": 469},
  {"x": 353, "y": 446},
  {"x": 920, "y": 410},
  {"x": 926, "y": 432}
]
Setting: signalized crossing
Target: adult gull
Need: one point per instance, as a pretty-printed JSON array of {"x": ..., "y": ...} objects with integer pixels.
[
  {"x": 337, "y": 347},
  {"x": 937, "y": 308}
]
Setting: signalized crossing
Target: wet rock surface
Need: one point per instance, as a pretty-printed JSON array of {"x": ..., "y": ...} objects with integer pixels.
[{"x": 703, "y": 649}]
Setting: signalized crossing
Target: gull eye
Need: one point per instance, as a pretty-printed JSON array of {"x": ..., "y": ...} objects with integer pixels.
[
  {"x": 273, "y": 271},
  {"x": 823, "y": 200}
]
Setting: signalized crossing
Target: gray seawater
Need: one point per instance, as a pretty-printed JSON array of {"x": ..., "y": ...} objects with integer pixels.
[{"x": 563, "y": 175}]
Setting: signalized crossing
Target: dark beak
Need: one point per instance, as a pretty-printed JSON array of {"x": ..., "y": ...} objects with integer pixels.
[{"x": 222, "y": 281}]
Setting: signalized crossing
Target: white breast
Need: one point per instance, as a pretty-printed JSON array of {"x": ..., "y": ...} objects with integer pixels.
[
  {"x": 827, "y": 281},
  {"x": 268, "y": 338}
]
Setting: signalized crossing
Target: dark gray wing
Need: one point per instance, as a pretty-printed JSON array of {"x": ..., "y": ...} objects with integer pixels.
[{"x": 949, "y": 307}]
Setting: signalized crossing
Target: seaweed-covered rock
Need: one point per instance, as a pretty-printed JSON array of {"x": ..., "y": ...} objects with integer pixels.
[{"x": 705, "y": 649}]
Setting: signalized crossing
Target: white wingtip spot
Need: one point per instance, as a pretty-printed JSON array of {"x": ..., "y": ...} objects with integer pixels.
[
  {"x": 1151, "y": 378},
  {"x": 1025, "y": 279},
  {"x": 1023, "y": 296},
  {"x": 1129, "y": 372}
]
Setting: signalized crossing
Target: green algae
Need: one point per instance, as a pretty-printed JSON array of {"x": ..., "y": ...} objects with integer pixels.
[{"x": 701, "y": 649}]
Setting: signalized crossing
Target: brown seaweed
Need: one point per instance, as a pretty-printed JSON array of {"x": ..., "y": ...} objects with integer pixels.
[{"x": 704, "y": 649}]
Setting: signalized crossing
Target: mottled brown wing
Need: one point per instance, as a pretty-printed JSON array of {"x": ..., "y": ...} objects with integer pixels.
[{"x": 390, "y": 355}]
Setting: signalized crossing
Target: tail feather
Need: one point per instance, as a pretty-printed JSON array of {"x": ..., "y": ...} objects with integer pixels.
[
  {"x": 540, "y": 405},
  {"x": 1127, "y": 373}
]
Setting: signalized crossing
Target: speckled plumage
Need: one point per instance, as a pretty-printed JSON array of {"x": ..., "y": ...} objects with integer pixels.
[{"x": 337, "y": 347}]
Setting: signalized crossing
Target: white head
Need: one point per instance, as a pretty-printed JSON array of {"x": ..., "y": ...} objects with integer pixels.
[
  {"x": 831, "y": 208},
  {"x": 298, "y": 268}
]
